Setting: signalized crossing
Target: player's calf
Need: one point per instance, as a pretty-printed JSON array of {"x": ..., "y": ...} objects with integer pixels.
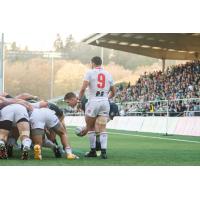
[
  {"x": 103, "y": 141},
  {"x": 24, "y": 135},
  {"x": 37, "y": 138},
  {"x": 10, "y": 144},
  {"x": 61, "y": 131},
  {"x": 5, "y": 127},
  {"x": 100, "y": 126}
]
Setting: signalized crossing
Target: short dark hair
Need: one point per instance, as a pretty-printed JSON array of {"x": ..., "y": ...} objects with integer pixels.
[
  {"x": 96, "y": 60},
  {"x": 69, "y": 95}
]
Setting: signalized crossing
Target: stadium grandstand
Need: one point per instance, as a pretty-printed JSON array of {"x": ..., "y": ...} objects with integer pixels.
[
  {"x": 171, "y": 92},
  {"x": 174, "y": 91},
  {"x": 172, "y": 46}
]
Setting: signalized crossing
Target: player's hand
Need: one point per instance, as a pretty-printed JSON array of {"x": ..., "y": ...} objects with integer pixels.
[
  {"x": 80, "y": 131},
  {"x": 27, "y": 105}
]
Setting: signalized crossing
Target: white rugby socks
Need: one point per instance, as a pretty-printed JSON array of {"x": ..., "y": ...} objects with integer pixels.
[
  {"x": 92, "y": 139},
  {"x": 103, "y": 140},
  {"x": 2, "y": 142},
  {"x": 26, "y": 142},
  {"x": 68, "y": 150}
]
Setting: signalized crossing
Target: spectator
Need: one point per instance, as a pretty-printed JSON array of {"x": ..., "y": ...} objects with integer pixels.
[{"x": 177, "y": 82}]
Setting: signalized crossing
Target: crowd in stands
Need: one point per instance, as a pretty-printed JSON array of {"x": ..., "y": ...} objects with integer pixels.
[{"x": 177, "y": 82}]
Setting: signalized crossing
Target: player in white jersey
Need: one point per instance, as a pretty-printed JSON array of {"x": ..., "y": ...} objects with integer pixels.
[
  {"x": 101, "y": 88},
  {"x": 11, "y": 115},
  {"x": 45, "y": 118}
]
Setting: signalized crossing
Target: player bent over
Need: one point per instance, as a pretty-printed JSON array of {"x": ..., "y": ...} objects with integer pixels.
[
  {"x": 99, "y": 83},
  {"x": 11, "y": 115},
  {"x": 45, "y": 118}
]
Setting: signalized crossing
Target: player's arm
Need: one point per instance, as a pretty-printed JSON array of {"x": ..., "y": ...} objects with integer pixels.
[
  {"x": 40, "y": 104},
  {"x": 6, "y": 95},
  {"x": 43, "y": 104},
  {"x": 83, "y": 88},
  {"x": 112, "y": 89},
  {"x": 112, "y": 92},
  {"x": 24, "y": 103},
  {"x": 5, "y": 102},
  {"x": 26, "y": 96},
  {"x": 84, "y": 85}
]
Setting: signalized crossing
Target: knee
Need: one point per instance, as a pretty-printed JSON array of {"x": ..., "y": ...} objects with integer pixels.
[{"x": 100, "y": 124}]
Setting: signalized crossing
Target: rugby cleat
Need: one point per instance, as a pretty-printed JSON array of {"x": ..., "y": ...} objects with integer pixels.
[
  {"x": 57, "y": 152},
  {"x": 71, "y": 156},
  {"x": 103, "y": 154},
  {"x": 37, "y": 152},
  {"x": 91, "y": 154},
  {"x": 24, "y": 155},
  {"x": 3, "y": 152}
]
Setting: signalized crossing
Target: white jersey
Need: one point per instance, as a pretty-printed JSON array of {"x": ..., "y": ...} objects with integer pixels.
[
  {"x": 35, "y": 105},
  {"x": 13, "y": 112},
  {"x": 100, "y": 82},
  {"x": 43, "y": 117}
]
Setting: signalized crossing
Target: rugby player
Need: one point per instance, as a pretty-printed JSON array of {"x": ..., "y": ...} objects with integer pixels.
[
  {"x": 49, "y": 139},
  {"x": 14, "y": 113},
  {"x": 101, "y": 89},
  {"x": 44, "y": 117},
  {"x": 72, "y": 100}
]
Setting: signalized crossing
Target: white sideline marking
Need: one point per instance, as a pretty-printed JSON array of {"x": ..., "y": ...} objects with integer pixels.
[{"x": 152, "y": 137}]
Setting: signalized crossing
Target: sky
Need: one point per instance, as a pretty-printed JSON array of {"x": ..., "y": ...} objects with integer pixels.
[
  {"x": 39, "y": 41},
  {"x": 35, "y": 23}
]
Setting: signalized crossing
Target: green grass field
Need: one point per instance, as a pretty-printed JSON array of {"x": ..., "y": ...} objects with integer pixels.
[{"x": 125, "y": 149}]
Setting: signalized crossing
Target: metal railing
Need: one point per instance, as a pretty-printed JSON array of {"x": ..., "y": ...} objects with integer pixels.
[{"x": 170, "y": 108}]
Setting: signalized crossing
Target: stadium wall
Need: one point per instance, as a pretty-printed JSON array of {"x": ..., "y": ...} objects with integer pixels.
[{"x": 170, "y": 125}]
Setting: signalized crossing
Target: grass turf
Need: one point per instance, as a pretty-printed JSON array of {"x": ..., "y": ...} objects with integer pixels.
[{"x": 125, "y": 149}]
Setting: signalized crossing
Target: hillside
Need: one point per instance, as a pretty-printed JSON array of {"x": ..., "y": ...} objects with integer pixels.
[{"x": 34, "y": 75}]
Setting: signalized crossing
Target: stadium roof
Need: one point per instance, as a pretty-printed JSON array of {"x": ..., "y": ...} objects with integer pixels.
[{"x": 172, "y": 46}]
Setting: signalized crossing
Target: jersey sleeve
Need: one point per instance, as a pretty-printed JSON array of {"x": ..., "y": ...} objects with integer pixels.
[
  {"x": 36, "y": 105},
  {"x": 87, "y": 76},
  {"x": 58, "y": 111}
]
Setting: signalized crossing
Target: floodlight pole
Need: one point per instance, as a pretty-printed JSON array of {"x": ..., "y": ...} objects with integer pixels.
[
  {"x": 52, "y": 76},
  {"x": 2, "y": 64},
  {"x": 102, "y": 54}
]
